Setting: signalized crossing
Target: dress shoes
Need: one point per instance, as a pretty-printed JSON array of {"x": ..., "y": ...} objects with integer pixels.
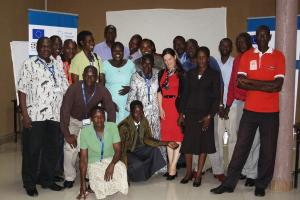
[
  {"x": 250, "y": 182},
  {"x": 53, "y": 187},
  {"x": 197, "y": 182},
  {"x": 58, "y": 179},
  {"x": 186, "y": 180},
  {"x": 171, "y": 177},
  {"x": 32, "y": 192},
  {"x": 221, "y": 189},
  {"x": 68, "y": 184},
  {"x": 259, "y": 192}
]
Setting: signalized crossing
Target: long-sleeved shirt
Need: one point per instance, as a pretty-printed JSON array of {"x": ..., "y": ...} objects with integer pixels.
[
  {"x": 201, "y": 93},
  {"x": 226, "y": 69},
  {"x": 213, "y": 64},
  {"x": 233, "y": 91},
  {"x": 73, "y": 105}
]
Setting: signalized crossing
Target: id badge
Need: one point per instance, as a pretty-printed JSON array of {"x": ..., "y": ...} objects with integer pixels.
[
  {"x": 57, "y": 89},
  {"x": 253, "y": 65},
  {"x": 86, "y": 122}
]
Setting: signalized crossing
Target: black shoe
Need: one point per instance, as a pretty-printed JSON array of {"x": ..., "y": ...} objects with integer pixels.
[
  {"x": 259, "y": 192},
  {"x": 221, "y": 189},
  {"x": 250, "y": 182},
  {"x": 243, "y": 177},
  {"x": 166, "y": 174},
  {"x": 32, "y": 192},
  {"x": 171, "y": 177},
  {"x": 68, "y": 184},
  {"x": 186, "y": 180},
  {"x": 53, "y": 187},
  {"x": 58, "y": 179},
  {"x": 35, "y": 192},
  {"x": 196, "y": 182}
]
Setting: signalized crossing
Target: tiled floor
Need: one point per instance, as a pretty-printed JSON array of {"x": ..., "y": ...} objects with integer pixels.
[{"x": 157, "y": 188}]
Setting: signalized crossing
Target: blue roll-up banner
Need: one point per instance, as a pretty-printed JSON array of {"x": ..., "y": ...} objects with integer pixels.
[
  {"x": 47, "y": 23},
  {"x": 253, "y": 23}
]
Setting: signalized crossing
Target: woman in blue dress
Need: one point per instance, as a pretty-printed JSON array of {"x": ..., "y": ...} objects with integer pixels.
[{"x": 117, "y": 73}]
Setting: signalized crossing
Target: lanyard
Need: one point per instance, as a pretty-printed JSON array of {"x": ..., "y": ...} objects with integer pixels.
[
  {"x": 93, "y": 60},
  {"x": 101, "y": 140},
  {"x": 148, "y": 85},
  {"x": 86, "y": 101},
  {"x": 50, "y": 69}
]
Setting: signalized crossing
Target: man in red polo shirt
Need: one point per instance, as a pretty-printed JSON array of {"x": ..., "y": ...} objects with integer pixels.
[{"x": 261, "y": 73}]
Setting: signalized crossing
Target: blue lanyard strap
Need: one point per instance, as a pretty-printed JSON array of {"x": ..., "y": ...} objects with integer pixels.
[
  {"x": 51, "y": 69},
  {"x": 85, "y": 100},
  {"x": 101, "y": 140}
]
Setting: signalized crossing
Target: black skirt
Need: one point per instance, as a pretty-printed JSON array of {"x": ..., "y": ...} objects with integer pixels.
[
  {"x": 196, "y": 141},
  {"x": 143, "y": 162}
]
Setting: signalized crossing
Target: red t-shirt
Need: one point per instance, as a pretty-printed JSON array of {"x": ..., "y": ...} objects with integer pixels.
[{"x": 266, "y": 67}]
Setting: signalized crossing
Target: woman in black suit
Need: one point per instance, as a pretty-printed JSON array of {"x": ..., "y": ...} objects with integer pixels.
[{"x": 199, "y": 104}]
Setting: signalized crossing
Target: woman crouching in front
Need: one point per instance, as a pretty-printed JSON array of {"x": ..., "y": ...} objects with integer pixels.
[{"x": 100, "y": 152}]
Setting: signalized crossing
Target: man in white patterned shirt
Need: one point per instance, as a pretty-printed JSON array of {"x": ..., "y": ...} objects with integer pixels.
[{"x": 41, "y": 87}]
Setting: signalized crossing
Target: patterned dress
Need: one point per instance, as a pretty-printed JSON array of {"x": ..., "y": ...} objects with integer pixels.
[{"x": 139, "y": 91}]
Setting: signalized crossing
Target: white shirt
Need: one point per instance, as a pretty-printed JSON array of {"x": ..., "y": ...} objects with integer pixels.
[
  {"x": 44, "y": 91},
  {"x": 58, "y": 60},
  {"x": 226, "y": 70}
]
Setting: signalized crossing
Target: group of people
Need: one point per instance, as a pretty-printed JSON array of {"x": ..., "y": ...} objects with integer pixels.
[{"x": 129, "y": 113}]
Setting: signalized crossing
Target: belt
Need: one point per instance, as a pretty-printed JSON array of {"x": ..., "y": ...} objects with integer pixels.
[{"x": 169, "y": 96}]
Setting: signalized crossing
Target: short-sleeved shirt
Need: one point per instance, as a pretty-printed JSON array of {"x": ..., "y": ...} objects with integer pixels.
[
  {"x": 44, "y": 85},
  {"x": 90, "y": 141},
  {"x": 104, "y": 51},
  {"x": 80, "y": 62},
  {"x": 265, "y": 67},
  {"x": 115, "y": 78}
]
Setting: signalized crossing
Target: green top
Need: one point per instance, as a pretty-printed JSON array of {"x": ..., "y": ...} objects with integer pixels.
[
  {"x": 80, "y": 61},
  {"x": 89, "y": 141}
]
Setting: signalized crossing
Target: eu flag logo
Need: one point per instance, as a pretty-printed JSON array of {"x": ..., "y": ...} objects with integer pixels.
[{"x": 37, "y": 33}]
